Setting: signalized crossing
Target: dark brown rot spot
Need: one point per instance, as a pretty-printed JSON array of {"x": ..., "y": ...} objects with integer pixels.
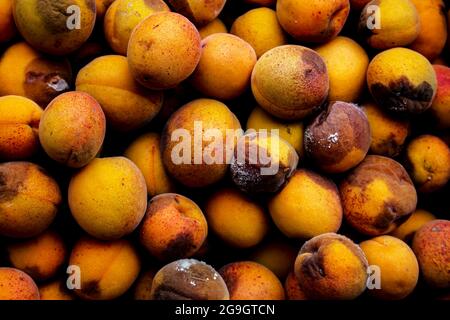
[
  {"x": 54, "y": 14},
  {"x": 313, "y": 266},
  {"x": 314, "y": 61},
  {"x": 178, "y": 247},
  {"x": 91, "y": 289}
]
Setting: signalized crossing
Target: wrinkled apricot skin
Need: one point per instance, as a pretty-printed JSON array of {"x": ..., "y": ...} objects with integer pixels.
[
  {"x": 441, "y": 104},
  {"x": 17, "y": 285},
  {"x": 408, "y": 229},
  {"x": 56, "y": 291},
  {"x": 7, "y": 25},
  {"x": 200, "y": 12}
]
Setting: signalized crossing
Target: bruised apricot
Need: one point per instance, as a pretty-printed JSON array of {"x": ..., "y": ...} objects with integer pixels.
[
  {"x": 338, "y": 139},
  {"x": 248, "y": 280},
  {"x": 199, "y": 12},
  {"x": 408, "y": 229},
  {"x": 7, "y": 25},
  {"x": 17, "y": 285},
  {"x": 29, "y": 199},
  {"x": 143, "y": 286},
  {"x": 377, "y": 196},
  {"x": 55, "y": 27},
  {"x": 290, "y": 81},
  {"x": 440, "y": 107},
  {"x": 402, "y": 81},
  {"x": 227, "y": 206},
  {"x": 292, "y": 288},
  {"x": 188, "y": 279},
  {"x": 215, "y": 26},
  {"x": 26, "y": 72},
  {"x": 126, "y": 104},
  {"x": 56, "y": 291},
  {"x": 106, "y": 269},
  {"x": 72, "y": 129},
  {"x": 174, "y": 227},
  {"x": 428, "y": 159},
  {"x": 307, "y": 206},
  {"x": 19, "y": 125},
  {"x": 331, "y": 266},
  {"x": 108, "y": 197},
  {"x": 164, "y": 50}
]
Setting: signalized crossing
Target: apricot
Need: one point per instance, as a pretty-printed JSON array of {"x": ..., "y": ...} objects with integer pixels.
[
  {"x": 293, "y": 289},
  {"x": 17, "y": 285},
  {"x": 26, "y": 72},
  {"x": 123, "y": 16},
  {"x": 394, "y": 23},
  {"x": 225, "y": 67},
  {"x": 40, "y": 257},
  {"x": 56, "y": 291},
  {"x": 440, "y": 107},
  {"x": 102, "y": 7},
  {"x": 29, "y": 199},
  {"x": 107, "y": 269},
  {"x": 145, "y": 152},
  {"x": 7, "y": 25},
  {"x": 292, "y": 132},
  {"x": 55, "y": 27},
  {"x": 108, "y": 197},
  {"x": 402, "y": 81},
  {"x": 225, "y": 207},
  {"x": 347, "y": 64},
  {"x": 428, "y": 159},
  {"x": 188, "y": 279},
  {"x": 266, "y": 3},
  {"x": 181, "y": 151},
  {"x": 164, "y": 50},
  {"x": 262, "y": 162},
  {"x": 377, "y": 196},
  {"x": 290, "y": 81},
  {"x": 388, "y": 134},
  {"x": 199, "y": 12},
  {"x": 260, "y": 28},
  {"x": 249, "y": 280},
  {"x": 174, "y": 227},
  {"x": 431, "y": 244},
  {"x": 433, "y": 28},
  {"x": 126, "y": 104},
  {"x": 215, "y": 26},
  {"x": 72, "y": 129},
  {"x": 331, "y": 266},
  {"x": 397, "y": 265},
  {"x": 358, "y": 4},
  {"x": 19, "y": 123},
  {"x": 143, "y": 286},
  {"x": 408, "y": 229},
  {"x": 307, "y": 206}
]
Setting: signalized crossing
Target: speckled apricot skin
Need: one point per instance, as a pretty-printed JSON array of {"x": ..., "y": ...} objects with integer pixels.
[
  {"x": 164, "y": 50},
  {"x": 17, "y": 285},
  {"x": 7, "y": 26},
  {"x": 56, "y": 291},
  {"x": 174, "y": 227},
  {"x": 431, "y": 245},
  {"x": 29, "y": 199},
  {"x": 72, "y": 129},
  {"x": 441, "y": 104},
  {"x": 293, "y": 289},
  {"x": 408, "y": 229},
  {"x": 248, "y": 280},
  {"x": 377, "y": 196},
  {"x": 338, "y": 139},
  {"x": 331, "y": 267},
  {"x": 199, "y": 12}
]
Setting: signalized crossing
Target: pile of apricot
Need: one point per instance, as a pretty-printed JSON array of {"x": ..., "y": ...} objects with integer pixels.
[{"x": 119, "y": 177}]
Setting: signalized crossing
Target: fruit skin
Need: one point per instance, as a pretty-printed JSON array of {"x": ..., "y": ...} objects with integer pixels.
[
  {"x": 440, "y": 107},
  {"x": 402, "y": 81},
  {"x": 164, "y": 50},
  {"x": 17, "y": 285},
  {"x": 188, "y": 279},
  {"x": 431, "y": 245},
  {"x": 292, "y": 288},
  {"x": 19, "y": 123},
  {"x": 56, "y": 291},
  {"x": 7, "y": 26},
  {"x": 108, "y": 197},
  {"x": 45, "y": 23},
  {"x": 398, "y": 266},
  {"x": 102, "y": 7},
  {"x": 408, "y": 229},
  {"x": 260, "y": 28},
  {"x": 107, "y": 269},
  {"x": 338, "y": 139},
  {"x": 225, "y": 67},
  {"x": 248, "y": 280},
  {"x": 309, "y": 205},
  {"x": 321, "y": 21},
  {"x": 126, "y": 104},
  {"x": 145, "y": 152},
  {"x": 40, "y": 257},
  {"x": 29, "y": 199},
  {"x": 388, "y": 134},
  {"x": 290, "y": 81},
  {"x": 433, "y": 28},
  {"x": 28, "y": 73},
  {"x": 225, "y": 207},
  {"x": 174, "y": 227},
  {"x": 213, "y": 115},
  {"x": 377, "y": 196},
  {"x": 428, "y": 161},
  {"x": 358, "y": 5},
  {"x": 347, "y": 64},
  {"x": 143, "y": 286},
  {"x": 72, "y": 129},
  {"x": 199, "y": 12},
  {"x": 266, "y": 3},
  {"x": 331, "y": 266},
  {"x": 123, "y": 16},
  {"x": 215, "y": 26},
  {"x": 399, "y": 24}
]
